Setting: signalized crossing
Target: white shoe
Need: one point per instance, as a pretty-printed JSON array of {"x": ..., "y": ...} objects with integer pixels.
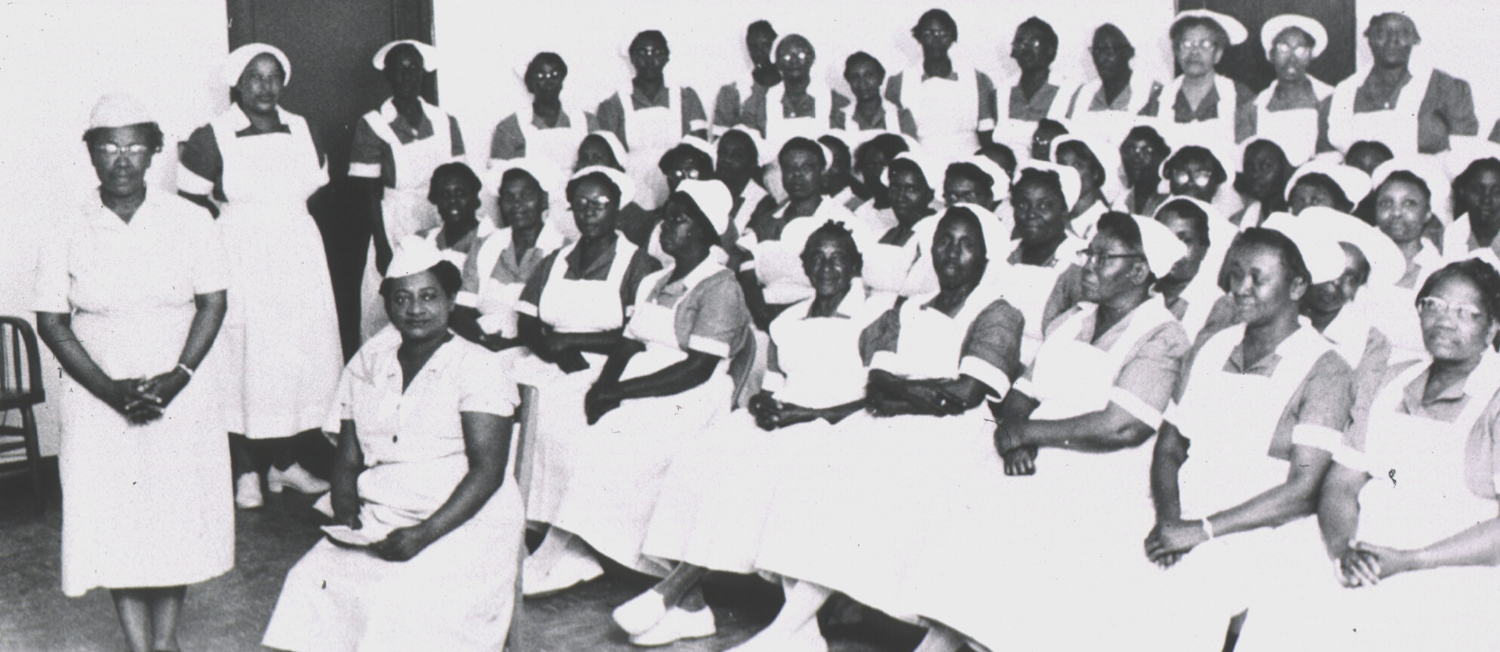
[
  {"x": 571, "y": 569},
  {"x": 295, "y": 478},
  {"x": 641, "y": 613},
  {"x": 247, "y": 491},
  {"x": 677, "y": 624}
]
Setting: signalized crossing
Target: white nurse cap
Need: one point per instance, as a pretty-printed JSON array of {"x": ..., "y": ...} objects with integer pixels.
[
  {"x": 1000, "y": 181},
  {"x": 413, "y": 255},
  {"x": 1233, "y": 28},
  {"x": 1320, "y": 252},
  {"x": 1072, "y": 186},
  {"x": 1387, "y": 263},
  {"x": 1160, "y": 246},
  {"x": 615, "y": 146},
  {"x": 713, "y": 198},
  {"x": 1275, "y": 26},
  {"x": 622, "y": 181},
  {"x": 1437, "y": 183},
  {"x": 234, "y": 65},
  {"x": 118, "y": 110},
  {"x": 1351, "y": 180},
  {"x": 429, "y": 54}
]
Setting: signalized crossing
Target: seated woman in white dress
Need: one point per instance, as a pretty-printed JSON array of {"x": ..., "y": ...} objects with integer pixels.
[
  {"x": 900, "y": 465},
  {"x": 427, "y": 526},
  {"x": 718, "y": 492},
  {"x": 891, "y": 264},
  {"x": 1097, "y": 166},
  {"x": 1408, "y": 510},
  {"x": 1043, "y": 249},
  {"x": 682, "y": 360}
]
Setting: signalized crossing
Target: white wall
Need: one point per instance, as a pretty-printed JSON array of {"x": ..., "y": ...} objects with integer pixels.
[{"x": 56, "y": 58}]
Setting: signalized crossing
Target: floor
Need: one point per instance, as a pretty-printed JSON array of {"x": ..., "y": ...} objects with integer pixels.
[{"x": 227, "y": 614}]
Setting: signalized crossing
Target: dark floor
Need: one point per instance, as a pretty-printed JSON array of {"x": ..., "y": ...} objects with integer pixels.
[{"x": 226, "y": 614}]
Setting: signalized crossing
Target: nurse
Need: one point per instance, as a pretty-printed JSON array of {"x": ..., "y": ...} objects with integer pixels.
[
  {"x": 870, "y": 159},
  {"x": 759, "y": 37},
  {"x": 543, "y": 131},
  {"x": 1263, "y": 406},
  {"x": 1408, "y": 507},
  {"x": 737, "y": 164},
  {"x": 1476, "y": 196},
  {"x": 685, "y": 353},
  {"x": 1141, "y": 156},
  {"x": 1412, "y": 110},
  {"x": 1106, "y": 109},
  {"x": 686, "y": 160},
  {"x": 800, "y": 106},
  {"x": 1294, "y": 110},
  {"x": 1097, "y": 165},
  {"x": 1035, "y": 94},
  {"x": 649, "y": 118},
  {"x": 1325, "y": 183},
  {"x": 1408, "y": 196},
  {"x": 951, "y": 104},
  {"x": 1191, "y": 288},
  {"x": 495, "y": 272},
  {"x": 1199, "y": 172},
  {"x": 892, "y": 266},
  {"x": 1201, "y": 106},
  {"x": 256, "y": 165},
  {"x": 1043, "y": 195},
  {"x": 397, "y": 147},
  {"x": 867, "y": 111},
  {"x": 1261, "y": 181}
]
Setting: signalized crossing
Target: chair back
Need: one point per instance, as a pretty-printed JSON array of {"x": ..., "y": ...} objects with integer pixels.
[{"x": 20, "y": 364}]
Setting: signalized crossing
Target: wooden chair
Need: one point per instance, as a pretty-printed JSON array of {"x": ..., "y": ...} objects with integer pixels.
[
  {"x": 526, "y": 420},
  {"x": 20, "y": 389}
]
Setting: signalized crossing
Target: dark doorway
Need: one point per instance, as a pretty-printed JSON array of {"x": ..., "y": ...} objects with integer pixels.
[
  {"x": 330, "y": 44},
  {"x": 1247, "y": 62}
]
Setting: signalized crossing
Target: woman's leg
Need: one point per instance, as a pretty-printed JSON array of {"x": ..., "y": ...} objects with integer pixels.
[
  {"x": 680, "y": 588},
  {"x": 166, "y": 606},
  {"x": 797, "y": 620},
  {"x": 135, "y": 617},
  {"x": 241, "y": 455}
]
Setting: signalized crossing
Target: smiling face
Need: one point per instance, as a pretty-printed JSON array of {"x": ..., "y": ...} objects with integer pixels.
[
  {"x": 1041, "y": 213},
  {"x": 1290, "y": 53},
  {"x": 1456, "y": 326},
  {"x": 1198, "y": 51},
  {"x": 910, "y": 194},
  {"x": 958, "y": 251},
  {"x": 455, "y": 200},
  {"x": 1262, "y": 287},
  {"x": 865, "y": 80},
  {"x": 1113, "y": 268},
  {"x": 1401, "y": 210},
  {"x": 594, "y": 208},
  {"x": 522, "y": 202},
  {"x": 801, "y": 174},
  {"x": 404, "y": 71},
  {"x": 1391, "y": 39},
  {"x": 829, "y": 263},
  {"x": 121, "y": 157},
  {"x": 261, "y": 84},
  {"x": 418, "y": 307}
]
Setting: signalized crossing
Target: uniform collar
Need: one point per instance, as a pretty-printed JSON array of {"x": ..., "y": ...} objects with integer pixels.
[
  {"x": 242, "y": 126},
  {"x": 850, "y": 307}
]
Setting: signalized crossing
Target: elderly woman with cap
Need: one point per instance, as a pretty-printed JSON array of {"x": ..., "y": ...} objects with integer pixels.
[
  {"x": 1201, "y": 106},
  {"x": 934, "y": 359},
  {"x": 1263, "y": 406},
  {"x": 1294, "y": 111},
  {"x": 684, "y": 356},
  {"x": 1097, "y": 166},
  {"x": 1043, "y": 196},
  {"x": 868, "y": 111},
  {"x": 1419, "y": 550},
  {"x": 1035, "y": 93},
  {"x": 544, "y": 131},
  {"x": 1476, "y": 202},
  {"x": 129, "y": 297},
  {"x": 1106, "y": 108},
  {"x": 952, "y": 105},
  {"x": 1078, "y": 420},
  {"x": 760, "y": 37},
  {"x": 1326, "y": 183},
  {"x": 648, "y": 117},
  {"x": 255, "y": 165},
  {"x": 1261, "y": 181},
  {"x": 1141, "y": 155},
  {"x": 397, "y": 147},
  {"x": 1412, "y": 109},
  {"x": 427, "y": 523}
]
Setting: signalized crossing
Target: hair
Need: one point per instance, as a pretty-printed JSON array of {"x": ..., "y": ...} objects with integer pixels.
[
  {"x": 838, "y": 233},
  {"x": 805, "y": 145},
  {"x": 1242, "y": 181},
  {"x": 863, "y": 57},
  {"x": 1080, "y": 148},
  {"x": 888, "y": 144},
  {"x": 1049, "y": 36},
  {"x": 706, "y": 230},
  {"x": 1191, "y": 212},
  {"x": 596, "y": 176},
  {"x": 1203, "y": 154},
  {"x": 153, "y": 135},
  {"x": 699, "y": 159},
  {"x": 391, "y": 54},
  {"x": 748, "y": 141},
  {"x": 1221, "y": 37},
  {"x": 1379, "y": 18},
  {"x": 600, "y": 139},
  {"x": 514, "y": 174},
  {"x": 908, "y": 165},
  {"x": 448, "y": 278},
  {"x": 940, "y": 16},
  {"x": 1053, "y": 125},
  {"x": 544, "y": 58},
  {"x": 650, "y": 34},
  {"x": 1049, "y": 179},
  {"x": 839, "y": 148},
  {"x": 1001, "y": 155},
  {"x": 1376, "y": 145},
  {"x": 761, "y": 25},
  {"x": 1319, "y": 180},
  {"x": 1475, "y": 271},
  {"x": 463, "y": 173},
  {"x": 1152, "y": 138},
  {"x": 1111, "y": 28},
  {"x": 973, "y": 173},
  {"x": 1291, "y": 257},
  {"x": 1404, "y": 176}
]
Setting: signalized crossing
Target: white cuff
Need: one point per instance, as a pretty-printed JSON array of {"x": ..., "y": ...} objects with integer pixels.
[
  {"x": 986, "y": 373},
  {"x": 986, "y": 125},
  {"x": 707, "y": 345},
  {"x": 1353, "y": 458},
  {"x": 365, "y": 170},
  {"x": 525, "y": 308},
  {"x": 773, "y": 382},
  {"x": 1136, "y": 407},
  {"x": 192, "y": 184},
  {"x": 747, "y": 266},
  {"x": 1320, "y": 437},
  {"x": 697, "y": 125},
  {"x": 466, "y": 299},
  {"x": 885, "y": 361},
  {"x": 1024, "y": 386}
]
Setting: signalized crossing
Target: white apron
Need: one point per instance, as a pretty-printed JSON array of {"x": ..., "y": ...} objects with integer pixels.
[
  {"x": 1295, "y": 130},
  {"x": 404, "y": 209},
  {"x": 903, "y": 270},
  {"x": 280, "y": 339},
  {"x": 1216, "y": 134},
  {"x": 649, "y": 133},
  {"x": 780, "y": 129},
  {"x": 1396, "y": 127},
  {"x": 1108, "y": 126},
  {"x": 558, "y": 145},
  {"x": 1027, "y": 287},
  {"x": 496, "y": 301},
  {"x": 1229, "y": 419},
  {"x": 610, "y": 474},
  {"x": 946, "y": 112}
]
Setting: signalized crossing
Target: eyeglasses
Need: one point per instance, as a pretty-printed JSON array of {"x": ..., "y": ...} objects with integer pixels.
[
  {"x": 550, "y": 73},
  {"x": 689, "y": 173},
  {"x": 1300, "y": 51},
  {"x": 1087, "y": 257},
  {"x": 582, "y": 203},
  {"x": 1204, "y": 45},
  {"x": 111, "y": 149},
  {"x": 1202, "y": 178},
  {"x": 1431, "y": 307},
  {"x": 795, "y": 56},
  {"x": 934, "y": 32}
]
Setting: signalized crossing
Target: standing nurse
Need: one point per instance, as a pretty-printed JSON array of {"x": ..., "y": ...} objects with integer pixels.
[{"x": 950, "y": 103}]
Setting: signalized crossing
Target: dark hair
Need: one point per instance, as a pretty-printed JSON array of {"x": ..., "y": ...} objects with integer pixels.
[
  {"x": 1202, "y": 154},
  {"x": 1049, "y": 36},
  {"x": 838, "y": 233},
  {"x": 1122, "y": 227},
  {"x": 888, "y": 144},
  {"x": 1379, "y": 147},
  {"x": 1049, "y": 179},
  {"x": 1152, "y": 138},
  {"x": 805, "y": 145},
  {"x": 514, "y": 174},
  {"x": 1291, "y": 256},
  {"x": 153, "y": 135},
  {"x": 748, "y": 141},
  {"x": 1341, "y": 201},
  {"x": 596, "y": 176},
  {"x": 1189, "y": 211},
  {"x": 1468, "y": 176},
  {"x": 840, "y": 151},
  {"x": 1050, "y": 124},
  {"x": 1242, "y": 180},
  {"x": 908, "y": 165},
  {"x": 448, "y": 278},
  {"x": 940, "y": 16},
  {"x": 1404, "y": 176},
  {"x": 695, "y": 213},
  {"x": 973, "y": 173},
  {"x": 1080, "y": 148},
  {"x": 619, "y": 165},
  {"x": 761, "y": 25},
  {"x": 460, "y": 171},
  {"x": 963, "y": 213},
  {"x": 546, "y": 57},
  {"x": 699, "y": 159},
  {"x": 863, "y": 57},
  {"x": 390, "y": 55},
  {"x": 1001, "y": 155},
  {"x": 1378, "y": 18},
  {"x": 1186, "y": 23},
  {"x": 1111, "y": 28},
  {"x": 650, "y": 34},
  {"x": 1476, "y": 271}
]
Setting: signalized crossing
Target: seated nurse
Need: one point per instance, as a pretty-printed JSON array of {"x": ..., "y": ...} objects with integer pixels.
[
  {"x": 1263, "y": 405},
  {"x": 1078, "y": 421},
  {"x": 891, "y": 264},
  {"x": 1043, "y": 248},
  {"x": 427, "y": 525},
  {"x": 683, "y": 357},
  {"x": 1408, "y": 510},
  {"x": 718, "y": 492}
]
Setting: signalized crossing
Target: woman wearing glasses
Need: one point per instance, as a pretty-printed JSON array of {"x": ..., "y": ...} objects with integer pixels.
[
  {"x": 543, "y": 131},
  {"x": 1202, "y": 106},
  {"x": 951, "y": 103},
  {"x": 1293, "y": 112},
  {"x": 800, "y": 106}
]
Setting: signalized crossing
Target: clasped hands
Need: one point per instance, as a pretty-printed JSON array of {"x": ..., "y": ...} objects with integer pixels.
[
  {"x": 142, "y": 400},
  {"x": 401, "y": 544},
  {"x": 771, "y": 414},
  {"x": 1365, "y": 564},
  {"x": 887, "y": 395},
  {"x": 1173, "y": 538},
  {"x": 1020, "y": 457}
]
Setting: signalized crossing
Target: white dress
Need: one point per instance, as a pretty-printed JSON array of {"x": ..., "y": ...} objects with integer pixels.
[
  {"x": 778, "y": 263},
  {"x": 458, "y": 593},
  {"x": 144, "y": 505}
]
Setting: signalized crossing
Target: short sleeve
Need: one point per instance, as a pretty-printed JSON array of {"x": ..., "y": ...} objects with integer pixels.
[
  {"x": 210, "y": 266},
  {"x": 369, "y": 156},
  {"x": 201, "y": 165},
  {"x": 1150, "y": 376},
  {"x": 753, "y": 111},
  {"x": 726, "y": 108},
  {"x": 1319, "y": 413},
  {"x": 508, "y": 142},
  {"x": 486, "y": 385},
  {"x": 717, "y": 317},
  {"x": 642, "y": 264},
  {"x": 1365, "y": 391},
  {"x": 1482, "y": 453},
  {"x": 837, "y": 108},
  {"x": 53, "y": 281},
  {"x": 991, "y": 351},
  {"x": 893, "y": 89},
  {"x": 694, "y": 118},
  {"x": 611, "y": 117},
  {"x": 455, "y": 138},
  {"x": 531, "y": 293},
  {"x": 342, "y": 408},
  {"x": 989, "y": 108},
  {"x": 879, "y": 339}
]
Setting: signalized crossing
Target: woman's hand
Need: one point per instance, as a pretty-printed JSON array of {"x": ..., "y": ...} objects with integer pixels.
[
  {"x": 1382, "y": 562},
  {"x": 1357, "y": 568},
  {"x": 1173, "y": 537},
  {"x": 163, "y": 388},
  {"x": 765, "y": 409},
  {"x": 599, "y": 401},
  {"x": 1020, "y": 461},
  {"x": 497, "y": 342},
  {"x": 125, "y": 397},
  {"x": 403, "y": 543}
]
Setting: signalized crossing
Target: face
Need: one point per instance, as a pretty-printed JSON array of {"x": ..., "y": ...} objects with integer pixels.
[
  {"x": 910, "y": 194},
  {"x": 1041, "y": 141},
  {"x": 1111, "y": 54},
  {"x": 454, "y": 199},
  {"x": 545, "y": 79},
  {"x": 121, "y": 159},
  {"x": 1087, "y": 173},
  {"x": 522, "y": 203},
  {"x": 865, "y": 79},
  {"x": 801, "y": 174},
  {"x": 934, "y": 37},
  {"x": 680, "y": 169},
  {"x": 1040, "y": 212},
  {"x": 1482, "y": 195},
  {"x": 1265, "y": 168},
  {"x": 1197, "y": 243},
  {"x": 1139, "y": 157},
  {"x": 871, "y": 168},
  {"x": 963, "y": 190},
  {"x": 594, "y": 209},
  {"x": 680, "y": 233},
  {"x": 594, "y": 151},
  {"x": 260, "y": 85},
  {"x": 649, "y": 56},
  {"x": 1455, "y": 325},
  {"x": 1333, "y": 295},
  {"x": 1309, "y": 194},
  {"x": 418, "y": 307},
  {"x": 736, "y": 159},
  {"x": 794, "y": 58},
  {"x": 1290, "y": 53},
  {"x": 1401, "y": 210},
  {"x": 958, "y": 252},
  {"x": 403, "y": 69},
  {"x": 1262, "y": 288},
  {"x": 1392, "y": 39},
  {"x": 1366, "y": 158},
  {"x": 829, "y": 265},
  {"x": 1197, "y": 51},
  {"x": 758, "y": 43},
  {"x": 1193, "y": 178},
  {"x": 1030, "y": 50},
  {"x": 1111, "y": 268}
]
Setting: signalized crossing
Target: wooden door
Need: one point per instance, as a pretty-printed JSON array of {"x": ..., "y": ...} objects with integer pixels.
[{"x": 1247, "y": 63}]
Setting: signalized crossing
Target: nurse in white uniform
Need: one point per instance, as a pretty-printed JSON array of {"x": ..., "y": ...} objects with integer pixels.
[
  {"x": 1105, "y": 109},
  {"x": 1406, "y": 199},
  {"x": 800, "y": 106},
  {"x": 1261, "y": 181},
  {"x": 1408, "y": 509},
  {"x": 951, "y": 103},
  {"x": 1192, "y": 287},
  {"x": 895, "y": 264},
  {"x": 1201, "y": 106},
  {"x": 1294, "y": 111},
  {"x": 1098, "y": 167},
  {"x": 543, "y": 131},
  {"x": 1043, "y": 195}
]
